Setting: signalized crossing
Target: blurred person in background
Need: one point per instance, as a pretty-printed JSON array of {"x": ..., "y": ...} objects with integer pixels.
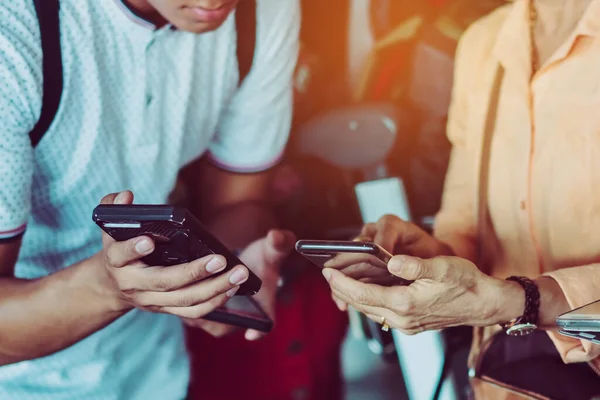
[
  {"x": 300, "y": 358},
  {"x": 526, "y": 79},
  {"x": 149, "y": 86}
]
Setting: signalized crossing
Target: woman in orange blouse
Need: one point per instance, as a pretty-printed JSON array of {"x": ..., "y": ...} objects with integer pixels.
[{"x": 542, "y": 185}]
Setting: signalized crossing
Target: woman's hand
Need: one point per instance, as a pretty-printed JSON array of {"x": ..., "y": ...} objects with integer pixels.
[
  {"x": 402, "y": 237},
  {"x": 397, "y": 237},
  {"x": 447, "y": 291}
]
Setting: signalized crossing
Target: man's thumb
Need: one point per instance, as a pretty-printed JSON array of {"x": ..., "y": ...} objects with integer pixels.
[{"x": 411, "y": 268}]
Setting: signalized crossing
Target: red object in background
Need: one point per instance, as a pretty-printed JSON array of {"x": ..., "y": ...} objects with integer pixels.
[{"x": 298, "y": 360}]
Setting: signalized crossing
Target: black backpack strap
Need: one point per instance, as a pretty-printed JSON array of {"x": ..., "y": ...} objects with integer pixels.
[
  {"x": 245, "y": 20},
  {"x": 47, "y": 12}
]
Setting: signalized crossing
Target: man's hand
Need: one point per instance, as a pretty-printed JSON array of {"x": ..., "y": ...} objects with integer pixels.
[
  {"x": 264, "y": 257},
  {"x": 185, "y": 290},
  {"x": 446, "y": 292},
  {"x": 396, "y": 236}
]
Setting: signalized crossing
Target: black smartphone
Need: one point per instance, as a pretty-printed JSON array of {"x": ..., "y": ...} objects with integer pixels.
[
  {"x": 179, "y": 238},
  {"x": 354, "y": 258}
]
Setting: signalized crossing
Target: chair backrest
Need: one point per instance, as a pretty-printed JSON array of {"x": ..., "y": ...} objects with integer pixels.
[{"x": 353, "y": 138}]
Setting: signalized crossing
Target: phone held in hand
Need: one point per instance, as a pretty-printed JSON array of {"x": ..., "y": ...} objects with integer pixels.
[
  {"x": 180, "y": 238},
  {"x": 341, "y": 254},
  {"x": 321, "y": 251}
]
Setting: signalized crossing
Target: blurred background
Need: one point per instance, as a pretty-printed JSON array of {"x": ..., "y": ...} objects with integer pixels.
[
  {"x": 373, "y": 86},
  {"x": 372, "y": 91}
]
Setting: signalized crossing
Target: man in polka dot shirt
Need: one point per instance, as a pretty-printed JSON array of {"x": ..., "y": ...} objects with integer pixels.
[{"x": 150, "y": 86}]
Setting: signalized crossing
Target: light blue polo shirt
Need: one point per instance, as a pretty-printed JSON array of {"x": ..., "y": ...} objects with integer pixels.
[{"x": 138, "y": 104}]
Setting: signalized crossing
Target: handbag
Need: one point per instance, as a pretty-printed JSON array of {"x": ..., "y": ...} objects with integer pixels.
[{"x": 526, "y": 367}]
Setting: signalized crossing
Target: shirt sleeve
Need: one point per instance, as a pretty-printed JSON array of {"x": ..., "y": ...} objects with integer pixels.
[
  {"x": 580, "y": 286},
  {"x": 455, "y": 224},
  {"x": 254, "y": 130},
  {"x": 20, "y": 103}
]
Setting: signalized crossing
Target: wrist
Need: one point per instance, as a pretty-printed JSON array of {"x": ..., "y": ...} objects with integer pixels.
[
  {"x": 98, "y": 283},
  {"x": 553, "y": 302},
  {"x": 506, "y": 302}
]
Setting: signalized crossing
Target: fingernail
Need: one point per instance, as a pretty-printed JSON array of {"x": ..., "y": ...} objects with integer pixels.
[
  {"x": 232, "y": 292},
  {"x": 252, "y": 335},
  {"x": 143, "y": 246},
  {"x": 120, "y": 198},
  {"x": 215, "y": 265},
  {"x": 327, "y": 274},
  {"x": 239, "y": 276}
]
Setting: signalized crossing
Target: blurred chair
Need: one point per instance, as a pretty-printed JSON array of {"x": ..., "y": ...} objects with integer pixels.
[{"x": 357, "y": 140}]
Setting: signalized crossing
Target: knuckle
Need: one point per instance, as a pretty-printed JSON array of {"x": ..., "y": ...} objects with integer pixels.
[
  {"x": 139, "y": 299},
  {"x": 404, "y": 307},
  {"x": 184, "y": 300},
  {"x": 388, "y": 219},
  {"x": 418, "y": 268},
  {"x": 111, "y": 255},
  {"x": 161, "y": 284},
  {"x": 194, "y": 271},
  {"x": 362, "y": 297},
  {"x": 405, "y": 325},
  {"x": 124, "y": 284}
]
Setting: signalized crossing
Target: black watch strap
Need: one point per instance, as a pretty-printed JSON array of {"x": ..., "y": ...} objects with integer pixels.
[{"x": 527, "y": 323}]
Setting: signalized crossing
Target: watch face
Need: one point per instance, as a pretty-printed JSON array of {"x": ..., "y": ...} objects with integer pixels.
[{"x": 521, "y": 329}]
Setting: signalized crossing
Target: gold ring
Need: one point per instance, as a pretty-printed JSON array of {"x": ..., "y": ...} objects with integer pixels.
[{"x": 384, "y": 327}]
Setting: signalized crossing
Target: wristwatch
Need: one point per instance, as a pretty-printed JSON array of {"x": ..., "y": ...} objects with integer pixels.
[{"x": 527, "y": 323}]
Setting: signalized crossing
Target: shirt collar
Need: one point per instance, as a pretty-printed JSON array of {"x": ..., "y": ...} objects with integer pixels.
[
  {"x": 590, "y": 23},
  {"x": 134, "y": 17},
  {"x": 512, "y": 46}
]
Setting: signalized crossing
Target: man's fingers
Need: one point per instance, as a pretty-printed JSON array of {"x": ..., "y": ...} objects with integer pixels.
[
  {"x": 354, "y": 292},
  {"x": 367, "y": 233},
  {"x": 199, "y": 310},
  {"x": 120, "y": 254},
  {"x": 362, "y": 308},
  {"x": 167, "y": 279},
  {"x": 252, "y": 335},
  {"x": 387, "y": 234},
  {"x": 200, "y": 292},
  {"x": 125, "y": 197}
]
